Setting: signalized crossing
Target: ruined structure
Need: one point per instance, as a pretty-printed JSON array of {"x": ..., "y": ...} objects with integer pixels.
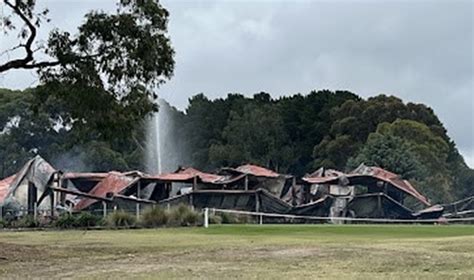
[
  {"x": 366, "y": 192},
  {"x": 463, "y": 208},
  {"x": 29, "y": 190}
]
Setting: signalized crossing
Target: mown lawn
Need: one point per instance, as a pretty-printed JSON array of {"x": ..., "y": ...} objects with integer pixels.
[{"x": 243, "y": 251}]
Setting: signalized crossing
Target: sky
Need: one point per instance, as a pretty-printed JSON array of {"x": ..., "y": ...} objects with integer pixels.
[{"x": 420, "y": 51}]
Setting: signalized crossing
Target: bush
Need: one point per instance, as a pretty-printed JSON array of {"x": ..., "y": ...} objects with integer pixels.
[
  {"x": 27, "y": 221},
  {"x": 229, "y": 218},
  {"x": 154, "y": 217},
  {"x": 3, "y": 224},
  {"x": 184, "y": 216},
  {"x": 215, "y": 219},
  {"x": 121, "y": 219},
  {"x": 65, "y": 221},
  {"x": 86, "y": 219}
]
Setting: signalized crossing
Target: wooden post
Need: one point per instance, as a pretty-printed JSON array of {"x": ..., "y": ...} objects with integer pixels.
[
  {"x": 138, "y": 210},
  {"x": 293, "y": 191},
  {"x": 246, "y": 182},
  {"x": 191, "y": 195},
  {"x": 138, "y": 196},
  {"x": 195, "y": 183},
  {"x": 257, "y": 202},
  {"x": 35, "y": 211},
  {"x": 379, "y": 205},
  {"x": 104, "y": 209},
  {"x": 51, "y": 203},
  {"x": 191, "y": 200},
  {"x": 168, "y": 188},
  {"x": 32, "y": 198}
]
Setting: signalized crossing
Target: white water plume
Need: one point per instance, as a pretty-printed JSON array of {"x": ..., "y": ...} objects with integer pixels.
[{"x": 164, "y": 149}]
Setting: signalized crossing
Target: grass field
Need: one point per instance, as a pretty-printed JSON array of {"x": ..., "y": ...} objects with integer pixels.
[{"x": 243, "y": 251}]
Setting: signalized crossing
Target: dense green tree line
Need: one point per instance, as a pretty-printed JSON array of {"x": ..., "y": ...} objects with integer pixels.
[{"x": 292, "y": 134}]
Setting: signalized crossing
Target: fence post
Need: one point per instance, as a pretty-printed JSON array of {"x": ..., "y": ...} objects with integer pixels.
[
  {"x": 35, "y": 211},
  {"x": 260, "y": 219},
  {"x": 138, "y": 211},
  {"x": 206, "y": 217},
  {"x": 104, "y": 208}
]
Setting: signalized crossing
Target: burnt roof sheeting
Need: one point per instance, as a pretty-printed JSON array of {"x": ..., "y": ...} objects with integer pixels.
[
  {"x": 322, "y": 175},
  {"x": 366, "y": 206},
  {"x": 257, "y": 171},
  {"x": 319, "y": 207},
  {"x": 325, "y": 173},
  {"x": 84, "y": 175},
  {"x": 392, "y": 179},
  {"x": 371, "y": 175},
  {"x": 114, "y": 183},
  {"x": 432, "y": 212},
  {"x": 254, "y": 170},
  {"x": 37, "y": 171},
  {"x": 236, "y": 200},
  {"x": 246, "y": 201},
  {"x": 187, "y": 175},
  {"x": 5, "y": 186},
  {"x": 460, "y": 208}
]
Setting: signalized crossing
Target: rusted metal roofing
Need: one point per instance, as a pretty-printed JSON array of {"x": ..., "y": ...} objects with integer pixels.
[
  {"x": 257, "y": 171},
  {"x": 84, "y": 175},
  {"x": 37, "y": 171},
  {"x": 5, "y": 186},
  {"x": 114, "y": 183},
  {"x": 363, "y": 173},
  {"x": 188, "y": 174},
  {"x": 254, "y": 170},
  {"x": 322, "y": 175},
  {"x": 390, "y": 178}
]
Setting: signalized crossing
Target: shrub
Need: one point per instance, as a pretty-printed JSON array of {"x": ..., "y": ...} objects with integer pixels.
[
  {"x": 229, "y": 218},
  {"x": 184, "y": 216},
  {"x": 121, "y": 219},
  {"x": 86, "y": 219},
  {"x": 215, "y": 219},
  {"x": 65, "y": 220},
  {"x": 3, "y": 224},
  {"x": 154, "y": 217},
  {"x": 27, "y": 221}
]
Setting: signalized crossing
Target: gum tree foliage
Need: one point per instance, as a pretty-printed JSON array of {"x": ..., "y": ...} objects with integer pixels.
[
  {"x": 410, "y": 149},
  {"x": 352, "y": 122},
  {"x": 256, "y": 135},
  {"x": 25, "y": 133},
  {"x": 96, "y": 85},
  {"x": 101, "y": 80}
]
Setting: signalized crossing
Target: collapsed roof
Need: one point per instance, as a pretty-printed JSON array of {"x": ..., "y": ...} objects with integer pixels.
[
  {"x": 37, "y": 171},
  {"x": 113, "y": 184},
  {"x": 254, "y": 170},
  {"x": 366, "y": 175},
  {"x": 5, "y": 186},
  {"x": 188, "y": 175}
]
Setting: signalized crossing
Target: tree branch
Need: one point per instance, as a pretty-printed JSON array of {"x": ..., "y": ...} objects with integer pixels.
[{"x": 28, "y": 61}]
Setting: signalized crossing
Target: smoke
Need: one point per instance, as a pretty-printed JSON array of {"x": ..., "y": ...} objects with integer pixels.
[
  {"x": 73, "y": 160},
  {"x": 166, "y": 148}
]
